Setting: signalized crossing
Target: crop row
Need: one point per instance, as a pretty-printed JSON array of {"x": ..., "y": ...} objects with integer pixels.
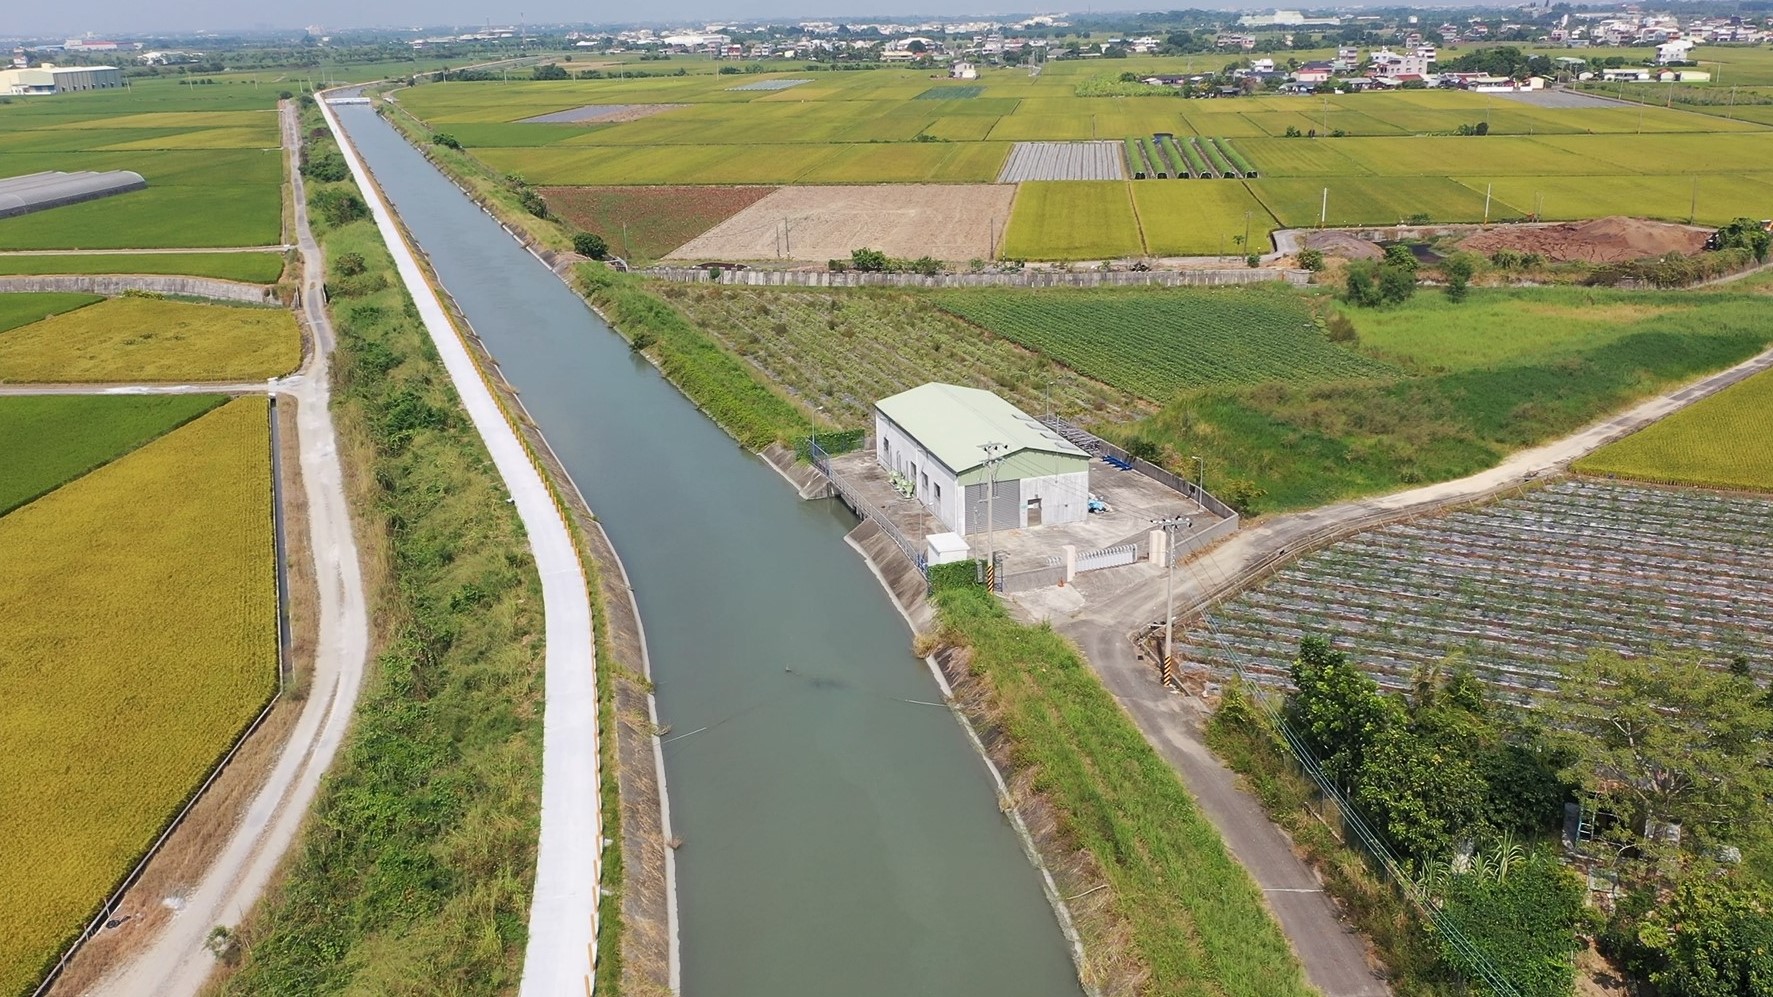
[
  {"x": 1157, "y": 344},
  {"x": 1520, "y": 587}
]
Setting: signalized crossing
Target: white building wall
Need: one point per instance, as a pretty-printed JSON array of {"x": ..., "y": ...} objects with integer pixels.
[
  {"x": 937, "y": 487},
  {"x": 1064, "y": 498}
]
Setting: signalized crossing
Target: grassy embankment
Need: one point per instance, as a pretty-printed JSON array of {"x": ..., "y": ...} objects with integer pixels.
[
  {"x": 153, "y": 339},
  {"x": 1195, "y": 921},
  {"x": 418, "y": 860},
  {"x": 162, "y": 559}
]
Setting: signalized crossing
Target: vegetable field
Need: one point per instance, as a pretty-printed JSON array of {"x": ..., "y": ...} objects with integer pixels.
[
  {"x": 1725, "y": 441},
  {"x": 1156, "y": 343},
  {"x": 47, "y": 440},
  {"x": 840, "y": 351},
  {"x": 129, "y": 662},
  {"x": 1519, "y": 587},
  {"x": 649, "y": 222},
  {"x": 150, "y": 339}
]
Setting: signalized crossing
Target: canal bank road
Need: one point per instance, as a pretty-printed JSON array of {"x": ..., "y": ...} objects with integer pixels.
[{"x": 839, "y": 835}]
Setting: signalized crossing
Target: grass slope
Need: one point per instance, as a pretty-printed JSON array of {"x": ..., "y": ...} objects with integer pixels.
[
  {"x": 417, "y": 862},
  {"x": 129, "y": 661},
  {"x": 48, "y": 440},
  {"x": 1725, "y": 441},
  {"x": 1156, "y": 343},
  {"x": 1198, "y": 922},
  {"x": 28, "y": 307},
  {"x": 151, "y": 339}
]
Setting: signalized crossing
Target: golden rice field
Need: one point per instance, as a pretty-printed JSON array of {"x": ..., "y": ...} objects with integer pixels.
[
  {"x": 1725, "y": 441},
  {"x": 150, "y": 339},
  {"x": 129, "y": 662}
]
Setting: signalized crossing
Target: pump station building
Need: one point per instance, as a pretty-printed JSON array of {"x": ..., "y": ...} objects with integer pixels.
[{"x": 932, "y": 439}]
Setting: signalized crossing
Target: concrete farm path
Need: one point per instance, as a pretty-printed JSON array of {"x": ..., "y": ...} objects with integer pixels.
[
  {"x": 176, "y": 963},
  {"x": 561, "y": 954},
  {"x": 1106, "y": 624}
]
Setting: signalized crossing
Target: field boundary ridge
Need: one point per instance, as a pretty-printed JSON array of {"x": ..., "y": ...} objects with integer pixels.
[{"x": 1025, "y": 278}]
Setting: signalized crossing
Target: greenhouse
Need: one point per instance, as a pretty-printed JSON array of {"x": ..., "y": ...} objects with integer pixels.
[{"x": 37, "y": 191}]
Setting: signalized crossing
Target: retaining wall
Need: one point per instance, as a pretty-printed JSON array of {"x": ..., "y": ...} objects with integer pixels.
[
  {"x": 113, "y": 285},
  {"x": 1026, "y": 278}
]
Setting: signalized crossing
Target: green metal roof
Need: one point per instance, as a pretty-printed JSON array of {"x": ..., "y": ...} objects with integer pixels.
[{"x": 951, "y": 422}]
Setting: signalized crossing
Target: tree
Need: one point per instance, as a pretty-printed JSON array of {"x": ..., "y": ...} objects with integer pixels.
[
  {"x": 550, "y": 72},
  {"x": 1458, "y": 269},
  {"x": 1744, "y": 233},
  {"x": 590, "y": 244},
  {"x": 1714, "y": 938},
  {"x": 1663, "y": 738},
  {"x": 1399, "y": 255},
  {"x": 446, "y": 140},
  {"x": 1336, "y": 709},
  {"x": 1396, "y": 283},
  {"x": 1362, "y": 284}
]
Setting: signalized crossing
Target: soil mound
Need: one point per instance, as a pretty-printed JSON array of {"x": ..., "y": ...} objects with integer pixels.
[
  {"x": 1333, "y": 243},
  {"x": 1605, "y": 240}
]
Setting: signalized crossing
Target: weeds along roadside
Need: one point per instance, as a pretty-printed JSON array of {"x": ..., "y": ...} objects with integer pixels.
[
  {"x": 1184, "y": 911},
  {"x": 420, "y": 852}
]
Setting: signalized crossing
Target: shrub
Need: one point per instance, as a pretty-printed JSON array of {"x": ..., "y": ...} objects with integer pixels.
[
  {"x": 868, "y": 260},
  {"x": 1311, "y": 259},
  {"x": 339, "y": 205},
  {"x": 1340, "y": 328},
  {"x": 591, "y": 245},
  {"x": 929, "y": 266},
  {"x": 1253, "y": 260},
  {"x": 447, "y": 140}
]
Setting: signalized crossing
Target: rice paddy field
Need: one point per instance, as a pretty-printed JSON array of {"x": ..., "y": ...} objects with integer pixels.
[
  {"x": 210, "y": 155},
  {"x": 1725, "y": 441},
  {"x": 251, "y": 268},
  {"x": 48, "y": 440},
  {"x": 1394, "y": 156},
  {"x": 129, "y": 662},
  {"x": 151, "y": 339},
  {"x": 1518, "y": 588}
]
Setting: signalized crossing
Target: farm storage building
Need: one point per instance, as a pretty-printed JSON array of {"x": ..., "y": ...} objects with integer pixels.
[
  {"x": 37, "y": 191},
  {"x": 933, "y": 437},
  {"x": 59, "y": 79}
]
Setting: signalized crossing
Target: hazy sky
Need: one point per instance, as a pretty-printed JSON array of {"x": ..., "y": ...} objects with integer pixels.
[{"x": 103, "y": 17}]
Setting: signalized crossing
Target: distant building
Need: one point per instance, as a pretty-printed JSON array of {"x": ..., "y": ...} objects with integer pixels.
[
  {"x": 49, "y": 79},
  {"x": 1679, "y": 50},
  {"x": 964, "y": 71},
  {"x": 1314, "y": 72},
  {"x": 932, "y": 437}
]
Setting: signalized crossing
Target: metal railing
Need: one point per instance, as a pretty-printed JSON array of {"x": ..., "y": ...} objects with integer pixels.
[
  {"x": 864, "y": 508},
  {"x": 1098, "y": 446}
]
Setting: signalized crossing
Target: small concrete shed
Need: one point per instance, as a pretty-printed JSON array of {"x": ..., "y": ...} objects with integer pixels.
[{"x": 932, "y": 439}]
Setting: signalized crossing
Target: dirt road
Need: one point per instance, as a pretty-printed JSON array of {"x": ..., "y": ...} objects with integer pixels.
[
  {"x": 1104, "y": 620},
  {"x": 176, "y": 963}
]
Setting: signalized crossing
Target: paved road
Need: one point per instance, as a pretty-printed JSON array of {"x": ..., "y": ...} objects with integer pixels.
[
  {"x": 1104, "y": 624},
  {"x": 176, "y": 964},
  {"x": 559, "y": 959}
]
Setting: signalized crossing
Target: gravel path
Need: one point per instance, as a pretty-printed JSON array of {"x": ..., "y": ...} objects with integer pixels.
[{"x": 177, "y": 963}]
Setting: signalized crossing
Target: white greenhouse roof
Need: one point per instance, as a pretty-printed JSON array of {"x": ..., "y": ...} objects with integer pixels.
[{"x": 37, "y": 191}]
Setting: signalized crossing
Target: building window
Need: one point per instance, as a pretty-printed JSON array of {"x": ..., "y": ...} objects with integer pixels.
[{"x": 938, "y": 493}]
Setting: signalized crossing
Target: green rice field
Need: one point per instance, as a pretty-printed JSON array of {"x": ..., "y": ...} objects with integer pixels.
[
  {"x": 252, "y": 268},
  {"x": 48, "y": 440},
  {"x": 1393, "y": 156},
  {"x": 210, "y": 155},
  {"x": 23, "y": 309}
]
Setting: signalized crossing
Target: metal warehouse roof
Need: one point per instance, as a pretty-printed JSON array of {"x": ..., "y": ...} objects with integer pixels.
[
  {"x": 951, "y": 422},
  {"x": 36, "y": 191}
]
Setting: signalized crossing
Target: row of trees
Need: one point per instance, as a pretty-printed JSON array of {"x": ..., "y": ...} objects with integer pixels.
[{"x": 1671, "y": 760}]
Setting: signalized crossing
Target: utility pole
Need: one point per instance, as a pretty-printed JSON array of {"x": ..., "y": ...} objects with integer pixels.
[
  {"x": 1168, "y": 524},
  {"x": 991, "y": 461},
  {"x": 1246, "y": 231},
  {"x": 1323, "y": 213},
  {"x": 1487, "y": 188},
  {"x": 1200, "y": 472}
]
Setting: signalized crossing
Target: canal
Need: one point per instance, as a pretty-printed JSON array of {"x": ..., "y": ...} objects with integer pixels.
[{"x": 839, "y": 834}]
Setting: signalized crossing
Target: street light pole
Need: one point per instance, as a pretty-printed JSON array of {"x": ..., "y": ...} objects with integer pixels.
[
  {"x": 1167, "y": 673},
  {"x": 1200, "y": 472},
  {"x": 991, "y": 460}
]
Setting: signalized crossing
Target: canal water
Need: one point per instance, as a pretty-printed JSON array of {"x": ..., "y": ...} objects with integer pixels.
[{"x": 839, "y": 834}]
